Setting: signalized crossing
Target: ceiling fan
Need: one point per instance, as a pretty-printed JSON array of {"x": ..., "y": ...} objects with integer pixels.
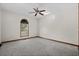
[{"x": 37, "y": 11}]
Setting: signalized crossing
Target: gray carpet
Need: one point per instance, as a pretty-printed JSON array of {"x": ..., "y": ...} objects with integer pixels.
[{"x": 37, "y": 47}]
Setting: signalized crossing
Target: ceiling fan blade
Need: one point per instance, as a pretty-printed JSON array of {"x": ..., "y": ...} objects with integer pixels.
[
  {"x": 35, "y": 10},
  {"x": 42, "y": 10},
  {"x": 41, "y": 13},
  {"x": 35, "y": 14}
]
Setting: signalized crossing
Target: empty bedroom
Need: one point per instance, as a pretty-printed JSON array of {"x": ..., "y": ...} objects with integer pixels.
[{"x": 39, "y": 29}]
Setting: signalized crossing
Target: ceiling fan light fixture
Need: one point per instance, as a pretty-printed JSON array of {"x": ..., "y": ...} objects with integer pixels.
[
  {"x": 41, "y": 12},
  {"x": 37, "y": 11}
]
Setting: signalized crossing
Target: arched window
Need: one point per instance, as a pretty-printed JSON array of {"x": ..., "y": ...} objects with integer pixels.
[{"x": 24, "y": 28}]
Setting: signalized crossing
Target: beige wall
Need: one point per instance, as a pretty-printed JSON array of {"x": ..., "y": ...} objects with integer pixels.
[
  {"x": 11, "y": 26},
  {"x": 61, "y": 24},
  {"x": 0, "y": 26},
  {"x": 78, "y": 23}
]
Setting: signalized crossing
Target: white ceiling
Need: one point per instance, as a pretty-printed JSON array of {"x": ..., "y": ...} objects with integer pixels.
[
  {"x": 22, "y": 8},
  {"x": 25, "y": 8}
]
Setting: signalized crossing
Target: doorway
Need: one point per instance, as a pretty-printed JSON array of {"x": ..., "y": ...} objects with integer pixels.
[{"x": 24, "y": 28}]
